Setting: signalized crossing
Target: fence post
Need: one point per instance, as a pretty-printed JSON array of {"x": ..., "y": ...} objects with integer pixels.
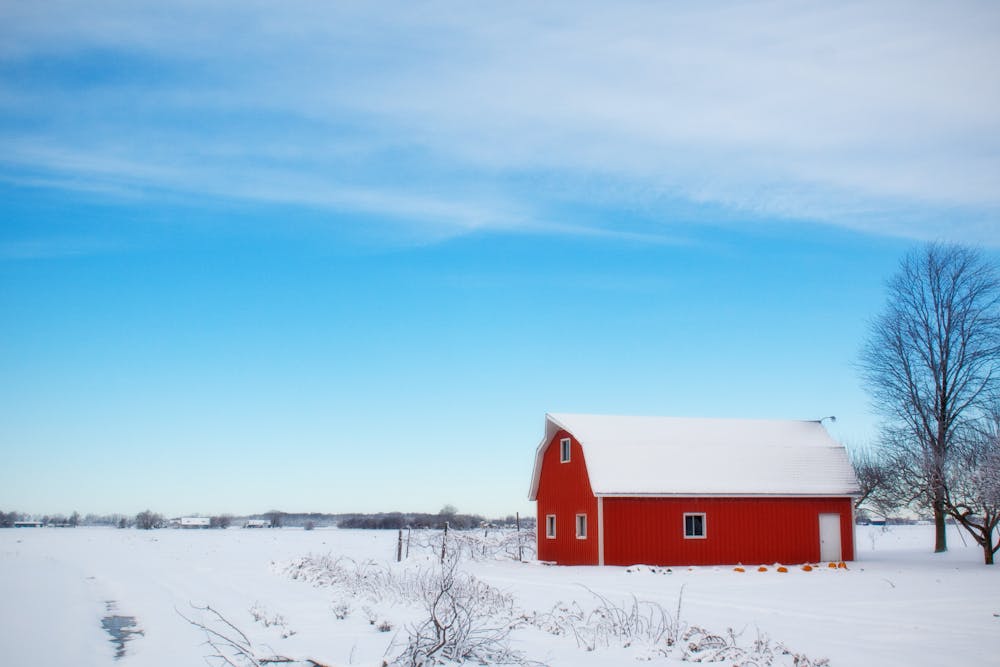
[
  {"x": 520, "y": 549},
  {"x": 399, "y": 546},
  {"x": 444, "y": 541},
  {"x": 408, "y": 531}
]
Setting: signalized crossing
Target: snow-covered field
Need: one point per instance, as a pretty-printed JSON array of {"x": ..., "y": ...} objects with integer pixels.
[{"x": 897, "y": 605}]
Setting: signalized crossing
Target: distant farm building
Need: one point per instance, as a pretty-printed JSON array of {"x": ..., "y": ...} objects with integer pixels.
[
  {"x": 28, "y": 524},
  {"x": 672, "y": 491},
  {"x": 195, "y": 522},
  {"x": 257, "y": 523}
]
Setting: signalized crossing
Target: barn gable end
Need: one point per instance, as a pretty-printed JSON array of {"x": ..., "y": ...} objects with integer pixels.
[{"x": 564, "y": 492}]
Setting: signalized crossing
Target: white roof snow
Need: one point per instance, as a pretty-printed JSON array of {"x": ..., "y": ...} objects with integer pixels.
[{"x": 720, "y": 457}]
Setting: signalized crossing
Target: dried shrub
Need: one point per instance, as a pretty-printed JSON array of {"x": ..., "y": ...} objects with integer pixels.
[{"x": 464, "y": 623}]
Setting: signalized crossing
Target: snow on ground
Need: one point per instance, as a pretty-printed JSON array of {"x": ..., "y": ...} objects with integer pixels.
[{"x": 898, "y": 604}]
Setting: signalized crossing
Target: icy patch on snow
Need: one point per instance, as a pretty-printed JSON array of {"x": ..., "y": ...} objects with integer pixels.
[{"x": 121, "y": 628}]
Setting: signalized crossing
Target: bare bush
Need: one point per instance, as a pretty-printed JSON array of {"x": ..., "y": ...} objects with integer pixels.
[
  {"x": 341, "y": 610},
  {"x": 701, "y": 645},
  {"x": 228, "y": 645},
  {"x": 639, "y": 623},
  {"x": 370, "y": 614},
  {"x": 365, "y": 579},
  {"x": 462, "y": 623},
  {"x": 261, "y": 615}
]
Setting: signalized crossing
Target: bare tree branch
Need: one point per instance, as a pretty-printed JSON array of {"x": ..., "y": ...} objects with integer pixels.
[
  {"x": 875, "y": 477},
  {"x": 230, "y": 645}
]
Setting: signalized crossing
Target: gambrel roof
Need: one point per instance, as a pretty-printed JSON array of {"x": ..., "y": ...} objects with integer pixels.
[{"x": 704, "y": 457}]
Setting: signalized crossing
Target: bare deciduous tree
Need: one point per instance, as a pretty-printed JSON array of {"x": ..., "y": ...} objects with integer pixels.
[
  {"x": 147, "y": 520},
  {"x": 7, "y": 519},
  {"x": 973, "y": 488},
  {"x": 931, "y": 359}
]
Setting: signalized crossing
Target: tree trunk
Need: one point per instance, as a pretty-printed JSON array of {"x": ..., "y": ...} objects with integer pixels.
[
  {"x": 940, "y": 536},
  {"x": 990, "y": 528}
]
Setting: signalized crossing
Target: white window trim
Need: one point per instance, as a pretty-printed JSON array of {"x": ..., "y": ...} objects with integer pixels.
[
  {"x": 704, "y": 526},
  {"x": 565, "y": 449},
  {"x": 580, "y": 536},
  {"x": 550, "y": 522}
]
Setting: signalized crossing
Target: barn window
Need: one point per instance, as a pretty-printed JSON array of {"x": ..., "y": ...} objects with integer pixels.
[
  {"x": 550, "y": 526},
  {"x": 581, "y": 526},
  {"x": 564, "y": 449},
  {"x": 694, "y": 525}
]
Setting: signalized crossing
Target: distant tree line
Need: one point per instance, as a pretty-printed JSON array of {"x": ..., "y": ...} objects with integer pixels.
[
  {"x": 149, "y": 520},
  {"x": 7, "y": 519},
  {"x": 388, "y": 520},
  {"x": 394, "y": 520}
]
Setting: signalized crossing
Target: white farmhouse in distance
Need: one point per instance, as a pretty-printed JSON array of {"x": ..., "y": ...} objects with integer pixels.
[{"x": 195, "y": 522}]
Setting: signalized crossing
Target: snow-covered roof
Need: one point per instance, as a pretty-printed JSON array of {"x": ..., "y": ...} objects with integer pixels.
[{"x": 721, "y": 457}]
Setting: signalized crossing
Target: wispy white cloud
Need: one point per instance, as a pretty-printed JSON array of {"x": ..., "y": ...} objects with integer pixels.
[{"x": 461, "y": 117}]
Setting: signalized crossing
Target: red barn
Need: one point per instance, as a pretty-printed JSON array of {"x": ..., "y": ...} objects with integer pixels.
[{"x": 671, "y": 491}]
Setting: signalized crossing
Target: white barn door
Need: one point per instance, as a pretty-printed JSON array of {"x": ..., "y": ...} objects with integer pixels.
[{"x": 829, "y": 537}]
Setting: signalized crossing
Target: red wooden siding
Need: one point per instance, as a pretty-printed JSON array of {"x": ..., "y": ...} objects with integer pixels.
[
  {"x": 564, "y": 490},
  {"x": 738, "y": 530}
]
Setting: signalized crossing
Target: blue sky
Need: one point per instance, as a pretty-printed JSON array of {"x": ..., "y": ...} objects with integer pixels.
[{"x": 344, "y": 258}]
